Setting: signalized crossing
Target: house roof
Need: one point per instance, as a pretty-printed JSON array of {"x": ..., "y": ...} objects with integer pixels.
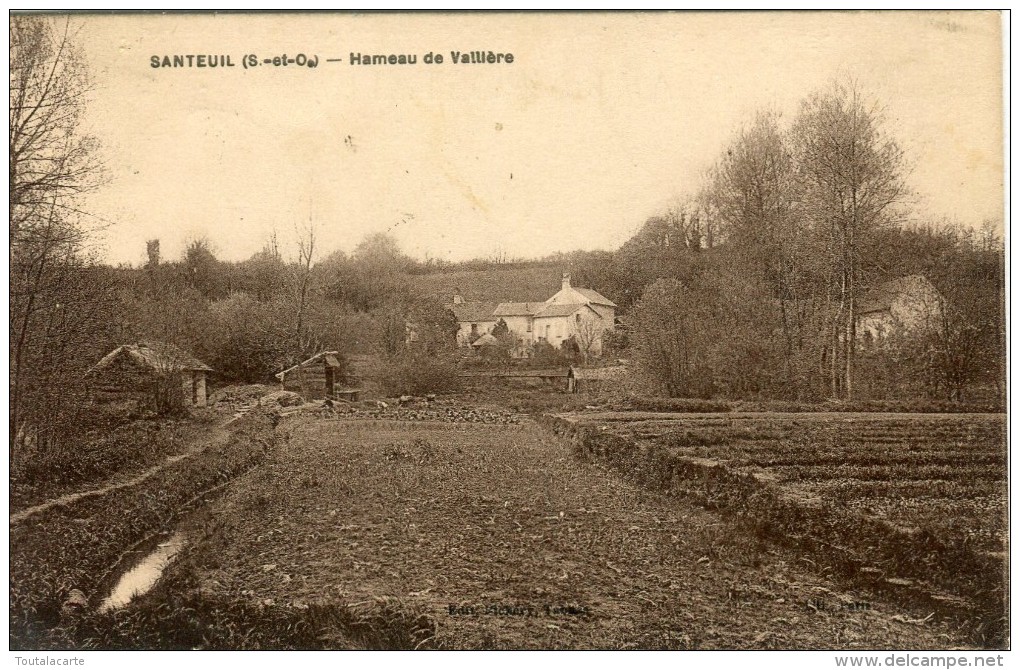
[
  {"x": 473, "y": 311},
  {"x": 330, "y": 360},
  {"x": 595, "y": 297},
  {"x": 155, "y": 355},
  {"x": 538, "y": 310},
  {"x": 518, "y": 308},
  {"x": 881, "y": 297},
  {"x": 559, "y": 310}
]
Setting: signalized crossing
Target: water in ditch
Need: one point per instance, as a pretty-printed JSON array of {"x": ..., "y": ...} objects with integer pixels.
[{"x": 144, "y": 575}]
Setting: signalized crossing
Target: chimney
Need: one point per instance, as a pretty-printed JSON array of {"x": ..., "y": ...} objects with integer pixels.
[
  {"x": 458, "y": 299},
  {"x": 566, "y": 280}
]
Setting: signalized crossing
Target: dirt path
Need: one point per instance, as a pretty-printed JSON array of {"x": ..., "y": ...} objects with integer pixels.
[
  {"x": 214, "y": 436},
  {"x": 504, "y": 540}
]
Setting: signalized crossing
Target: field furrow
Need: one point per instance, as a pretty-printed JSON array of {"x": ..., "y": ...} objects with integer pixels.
[{"x": 502, "y": 539}]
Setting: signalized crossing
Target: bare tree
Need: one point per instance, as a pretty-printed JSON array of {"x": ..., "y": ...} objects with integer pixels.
[
  {"x": 50, "y": 160},
  {"x": 588, "y": 333},
  {"x": 303, "y": 279},
  {"x": 302, "y": 284},
  {"x": 58, "y": 301},
  {"x": 851, "y": 178}
]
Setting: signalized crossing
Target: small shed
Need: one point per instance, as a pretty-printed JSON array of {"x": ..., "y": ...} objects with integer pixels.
[
  {"x": 593, "y": 380},
  {"x": 135, "y": 372},
  {"x": 324, "y": 375}
]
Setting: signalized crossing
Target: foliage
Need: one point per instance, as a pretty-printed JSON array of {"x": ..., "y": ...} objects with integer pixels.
[
  {"x": 371, "y": 278},
  {"x": 60, "y": 302},
  {"x": 669, "y": 339},
  {"x": 102, "y": 449},
  {"x": 202, "y": 270},
  {"x": 247, "y": 339},
  {"x": 652, "y": 404},
  {"x": 713, "y": 337},
  {"x": 417, "y": 373}
]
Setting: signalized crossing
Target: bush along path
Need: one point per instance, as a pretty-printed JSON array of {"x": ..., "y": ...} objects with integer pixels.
[
  {"x": 956, "y": 583},
  {"x": 59, "y": 560},
  {"x": 215, "y": 437},
  {"x": 100, "y": 456}
]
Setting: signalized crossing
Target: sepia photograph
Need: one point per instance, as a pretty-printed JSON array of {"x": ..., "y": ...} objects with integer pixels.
[{"x": 676, "y": 331}]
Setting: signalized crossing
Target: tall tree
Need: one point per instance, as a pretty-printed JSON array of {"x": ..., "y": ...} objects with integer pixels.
[
  {"x": 50, "y": 159},
  {"x": 203, "y": 270},
  {"x": 379, "y": 268},
  {"x": 752, "y": 192},
  {"x": 850, "y": 174},
  {"x": 57, "y": 299},
  {"x": 302, "y": 284}
]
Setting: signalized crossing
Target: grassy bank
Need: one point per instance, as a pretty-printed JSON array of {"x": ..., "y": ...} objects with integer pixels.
[
  {"x": 72, "y": 547},
  {"x": 96, "y": 455}
]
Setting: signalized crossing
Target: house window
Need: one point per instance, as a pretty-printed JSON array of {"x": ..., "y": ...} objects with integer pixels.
[
  {"x": 547, "y": 328},
  {"x": 577, "y": 317},
  {"x": 474, "y": 329},
  {"x": 529, "y": 325}
]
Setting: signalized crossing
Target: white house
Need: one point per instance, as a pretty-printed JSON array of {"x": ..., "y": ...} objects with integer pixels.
[
  {"x": 582, "y": 313},
  {"x": 904, "y": 305}
]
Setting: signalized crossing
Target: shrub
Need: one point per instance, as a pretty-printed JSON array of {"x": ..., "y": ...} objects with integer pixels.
[
  {"x": 94, "y": 455},
  {"x": 919, "y": 406},
  {"x": 419, "y": 375},
  {"x": 545, "y": 355}
]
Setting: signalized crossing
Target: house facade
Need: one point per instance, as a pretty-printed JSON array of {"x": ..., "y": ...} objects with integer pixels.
[
  {"x": 581, "y": 313},
  {"x": 904, "y": 305},
  {"x": 474, "y": 319}
]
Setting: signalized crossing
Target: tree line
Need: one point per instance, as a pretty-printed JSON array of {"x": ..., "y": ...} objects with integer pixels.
[
  {"x": 748, "y": 287},
  {"x": 752, "y": 286}
]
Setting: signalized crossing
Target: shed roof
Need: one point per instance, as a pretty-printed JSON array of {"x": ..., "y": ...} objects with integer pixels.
[
  {"x": 329, "y": 359},
  {"x": 156, "y": 355}
]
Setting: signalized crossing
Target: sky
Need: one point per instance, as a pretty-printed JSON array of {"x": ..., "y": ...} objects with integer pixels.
[{"x": 600, "y": 121}]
